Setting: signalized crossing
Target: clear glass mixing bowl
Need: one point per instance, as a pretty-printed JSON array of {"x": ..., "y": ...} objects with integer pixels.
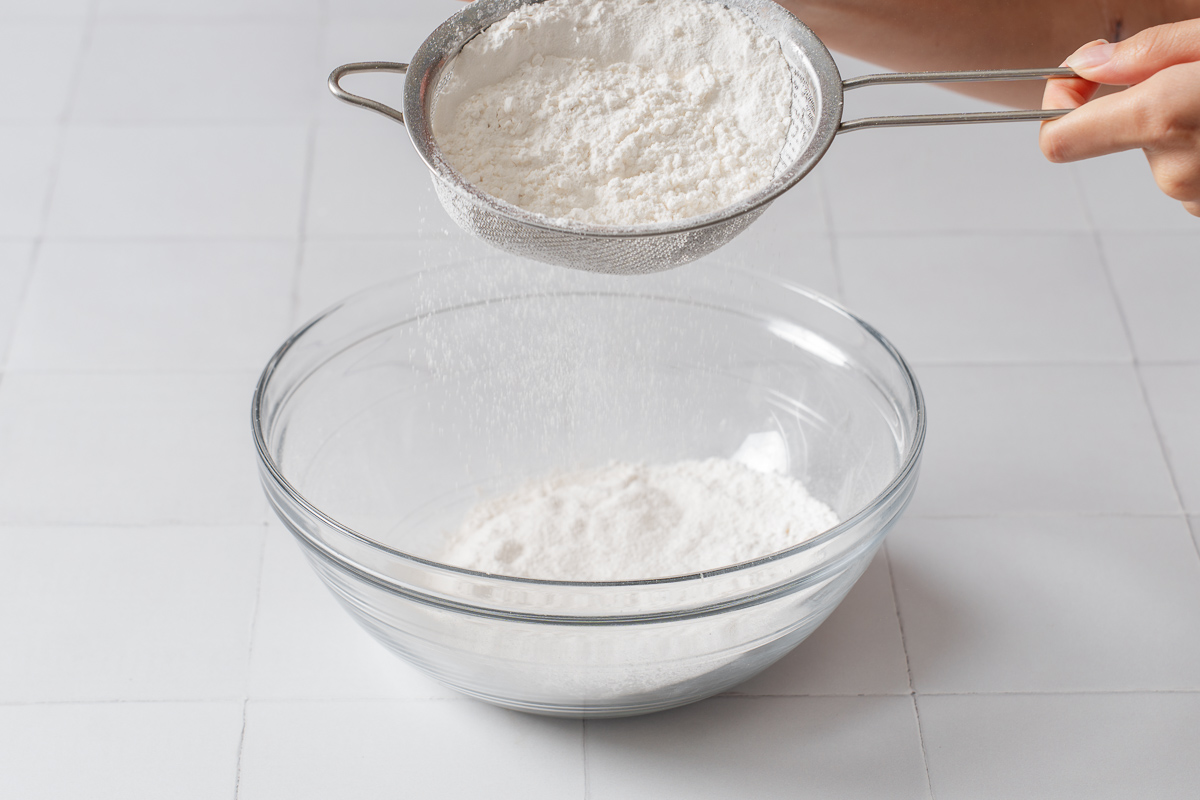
[{"x": 380, "y": 422}]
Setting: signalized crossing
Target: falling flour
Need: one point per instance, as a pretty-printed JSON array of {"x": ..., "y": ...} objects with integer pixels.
[
  {"x": 617, "y": 112},
  {"x": 637, "y": 521}
]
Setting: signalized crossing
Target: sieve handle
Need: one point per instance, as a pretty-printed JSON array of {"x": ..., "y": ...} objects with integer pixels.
[
  {"x": 972, "y": 76},
  {"x": 353, "y": 99}
]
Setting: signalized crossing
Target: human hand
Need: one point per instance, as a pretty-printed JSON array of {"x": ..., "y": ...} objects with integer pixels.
[{"x": 1159, "y": 112}]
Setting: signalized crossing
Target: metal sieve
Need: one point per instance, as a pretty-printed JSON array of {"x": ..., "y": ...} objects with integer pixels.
[{"x": 817, "y": 90}]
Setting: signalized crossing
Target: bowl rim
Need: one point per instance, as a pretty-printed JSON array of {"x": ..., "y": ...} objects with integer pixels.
[{"x": 898, "y": 482}]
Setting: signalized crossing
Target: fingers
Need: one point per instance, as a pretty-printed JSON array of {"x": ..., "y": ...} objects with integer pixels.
[
  {"x": 1161, "y": 114},
  {"x": 1071, "y": 92},
  {"x": 1103, "y": 126},
  {"x": 1142, "y": 55}
]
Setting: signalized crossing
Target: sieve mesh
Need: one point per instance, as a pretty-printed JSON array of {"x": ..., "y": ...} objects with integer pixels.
[
  {"x": 616, "y": 255},
  {"x": 625, "y": 250}
]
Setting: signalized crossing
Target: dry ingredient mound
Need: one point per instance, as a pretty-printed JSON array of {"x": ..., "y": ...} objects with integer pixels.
[
  {"x": 617, "y": 112},
  {"x": 638, "y": 521}
]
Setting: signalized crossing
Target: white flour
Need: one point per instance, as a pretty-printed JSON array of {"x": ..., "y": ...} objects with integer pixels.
[
  {"x": 617, "y": 111},
  {"x": 636, "y": 521}
]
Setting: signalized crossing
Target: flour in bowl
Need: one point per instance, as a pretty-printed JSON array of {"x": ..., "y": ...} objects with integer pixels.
[
  {"x": 637, "y": 521},
  {"x": 617, "y": 112}
]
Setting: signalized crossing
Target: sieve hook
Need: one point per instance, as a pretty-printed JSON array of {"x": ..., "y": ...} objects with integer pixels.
[
  {"x": 971, "y": 76},
  {"x": 355, "y": 100}
]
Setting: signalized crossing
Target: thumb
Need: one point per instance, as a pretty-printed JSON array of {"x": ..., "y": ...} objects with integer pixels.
[{"x": 1137, "y": 58}]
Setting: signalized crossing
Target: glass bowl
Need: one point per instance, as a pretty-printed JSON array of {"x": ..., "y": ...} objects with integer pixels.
[{"x": 380, "y": 422}]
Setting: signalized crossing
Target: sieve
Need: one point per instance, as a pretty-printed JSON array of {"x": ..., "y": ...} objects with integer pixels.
[{"x": 817, "y": 100}]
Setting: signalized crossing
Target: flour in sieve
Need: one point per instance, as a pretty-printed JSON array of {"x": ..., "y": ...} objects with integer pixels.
[
  {"x": 617, "y": 112},
  {"x": 635, "y": 521}
]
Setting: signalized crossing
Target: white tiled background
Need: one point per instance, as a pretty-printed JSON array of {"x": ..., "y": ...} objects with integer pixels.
[{"x": 177, "y": 191}]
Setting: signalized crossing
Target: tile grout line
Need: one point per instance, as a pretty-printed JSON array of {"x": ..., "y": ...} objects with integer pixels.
[
  {"x": 229, "y": 371},
  {"x": 587, "y": 784},
  {"x": 465, "y": 700},
  {"x": 834, "y": 250},
  {"x": 1137, "y": 368},
  {"x": 136, "y": 525},
  {"x": 22, "y": 295},
  {"x": 199, "y": 123},
  {"x": 63, "y": 124},
  {"x": 1063, "y": 693},
  {"x": 918, "y": 363},
  {"x": 190, "y": 20},
  {"x": 1162, "y": 446},
  {"x": 1106, "y": 266},
  {"x": 301, "y": 240},
  {"x": 237, "y": 775},
  {"x": 1051, "y": 515},
  {"x": 310, "y": 157},
  {"x": 1098, "y": 243},
  {"x": 151, "y": 239},
  {"x": 912, "y": 692},
  {"x": 310, "y": 147},
  {"x": 159, "y": 701},
  {"x": 66, "y": 118},
  {"x": 262, "y": 565}
]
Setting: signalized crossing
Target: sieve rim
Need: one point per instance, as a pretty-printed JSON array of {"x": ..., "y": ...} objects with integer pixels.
[{"x": 802, "y": 49}]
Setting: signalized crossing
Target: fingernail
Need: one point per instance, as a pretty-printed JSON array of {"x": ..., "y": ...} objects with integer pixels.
[{"x": 1092, "y": 57}]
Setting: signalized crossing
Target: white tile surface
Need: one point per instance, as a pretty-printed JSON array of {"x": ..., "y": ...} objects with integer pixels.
[
  {"x": 1158, "y": 280},
  {"x": 16, "y": 262},
  {"x": 1049, "y": 605},
  {"x": 425, "y": 15},
  {"x": 166, "y": 215},
  {"x": 306, "y": 646},
  {"x": 369, "y": 181},
  {"x": 987, "y": 298},
  {"x": 333, "y": 269},
  {"x": 27, "y": 156},
  {"x": 40, "y": 93},
  {"x": 765, "y": 748},
  {"x": 127, "y": 448},
  {"x": 180, "y": 181},
  {"x": 1174, "y": 394},
  {"x": 210, "y": 10},
  {"x": 963, "y": 179},
  {"x": 443, "y": 749},
  {"x": 119, "y": 751},
  {"x": 1040, "y": 440},
  {"x": 177, "y": 71},
  {"x": 1068, "y": 747},
  {"x": 776, "y": 246},
  {"x": 44, "y": 9},
  {"x": 857, "y": 650},
  {"x": 1121, "y": 195},
  {"x": 166, "y": 306},
  {"x": 174, "y": 626}
]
